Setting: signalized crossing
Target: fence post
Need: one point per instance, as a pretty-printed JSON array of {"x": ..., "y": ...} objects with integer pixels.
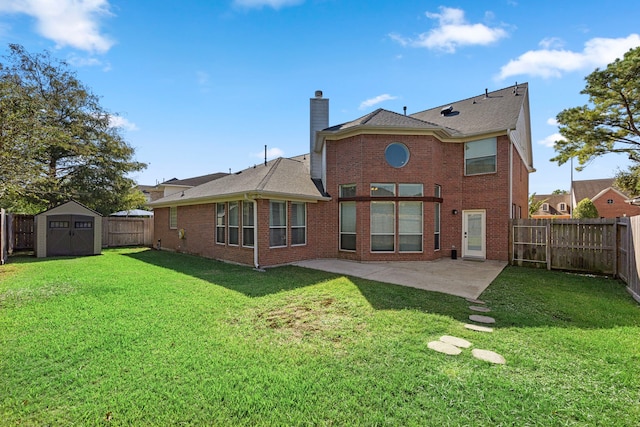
[
  {"x": 548, "y": 242},
  {"x": 3, "y": 237}
]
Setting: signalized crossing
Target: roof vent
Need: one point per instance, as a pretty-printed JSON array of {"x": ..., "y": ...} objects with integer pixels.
[
  {"x": 486, "y": 93},
  {"x": 446, "y": 110},
  {"x": 318, "y": 94}
]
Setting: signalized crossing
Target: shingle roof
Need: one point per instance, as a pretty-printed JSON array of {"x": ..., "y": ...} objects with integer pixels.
[
  {"x": 590, "y": 188},
  {"x": 196, "y": 180},
  {"x": 496, "y": 111},
  {"x": 280, "y": 177},
  {"x": 385, "y": 118}
]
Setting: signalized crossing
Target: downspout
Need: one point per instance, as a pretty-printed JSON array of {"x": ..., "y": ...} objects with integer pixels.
[
  {"x": 511, "y": 213},
  {"x": 256, "y": 264}
]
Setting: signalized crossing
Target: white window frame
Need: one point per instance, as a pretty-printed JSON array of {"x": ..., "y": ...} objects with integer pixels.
[
  {"x": 402, "y": 233},
  {"x": 562, "y": 207},
  {"x": 393, "y": 228},
  {"x": 231, "y": 227},
  {"x": 485, "y": 153},
  {"x": 173, "y": 217},
  {"x": 247, "y": 224},
  {"x": 344, "y": 205},
  {"x": 545, "y": 207},
  {"x": 302, "y": 227},
  {"x": 221, "y": 223},
  {"x": 273, "y": 228}
]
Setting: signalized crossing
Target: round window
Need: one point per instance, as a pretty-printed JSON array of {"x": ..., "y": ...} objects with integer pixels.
[{"x": 396, "y": 154}]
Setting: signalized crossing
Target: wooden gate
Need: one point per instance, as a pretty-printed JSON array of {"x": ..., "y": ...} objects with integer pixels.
[{"x": 22, "y": 231}]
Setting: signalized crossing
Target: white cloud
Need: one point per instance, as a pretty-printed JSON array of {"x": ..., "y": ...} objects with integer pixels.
[
  {"x": 272, "y": 153},
  {"x": 376, "y": 100},
  {"x": 72, "y": 23},
  {"x": 258, "y": 4},
  {"x": 453, "y": 31},
  {"x": 552, "y": 121},
  {"x": 551, "y": 139},
  {"x": 547, "y": 62},
  {"x": 121, "y": 122}
]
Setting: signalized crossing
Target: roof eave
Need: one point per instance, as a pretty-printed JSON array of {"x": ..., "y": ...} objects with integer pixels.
[{"x": 249, "y": 195}]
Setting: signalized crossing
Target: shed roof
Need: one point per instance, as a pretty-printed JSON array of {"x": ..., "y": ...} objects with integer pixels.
[{"x": 283, "y": 177}]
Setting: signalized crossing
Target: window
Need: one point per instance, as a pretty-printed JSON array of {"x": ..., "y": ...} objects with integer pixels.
[
  {"x": 563, "y": 207},
  {"x": 545, "y": 207},
  {"x": 277, "y": 224},
  {"x": 173, "y": 217},
  {"x": 410, "y": 190},
  {"x": 480, "y": 156},
  {"x": 436, "y": 215},
  {"x": 609, "y": 201},
  {"x": 396, "y": 154},
  {"x": 410, "y": 226},
  {"x": 347, "y": 190},
  {"x": 247, "y": 224},
  {"x": 220, "y": 223},
  {"x": 348, "y": 226},
  {"x": 383, "y": 226},
  {"x": 383, "y": 190},
  {"x": 298, "y": 223},
  {"x": 83, "y": 224},
  {"x": 234, "y": 217},
  {"x": 58, "y": 224}
]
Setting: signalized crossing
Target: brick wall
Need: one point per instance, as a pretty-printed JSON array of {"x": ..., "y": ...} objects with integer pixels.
[{"x": 618, "y": 207}]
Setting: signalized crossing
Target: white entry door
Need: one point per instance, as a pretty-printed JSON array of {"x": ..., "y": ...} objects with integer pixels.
[{"x": 474, "y": 234}]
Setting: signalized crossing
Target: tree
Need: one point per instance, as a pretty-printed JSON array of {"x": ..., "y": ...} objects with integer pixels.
[
  {"x": 585, "y": 209},
  {"x": 53, "y": 128},
  {"x": 558, "y": 191},
  {"x": 535, "y": 205},
  {"x": 610, "y": 123}
]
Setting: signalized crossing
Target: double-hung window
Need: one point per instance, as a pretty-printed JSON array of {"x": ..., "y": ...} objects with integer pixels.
[
  {"x": 348, "y": 218},
  {"x": 234, "y": 216},
  {"x": 247, "y": 224},
  {"x": 298, "y": 223},
  {"x": 277, "y": 224},
  {"x": 480, "y": 156},
  {"x": 173, "y": 217},
  {"x": 383, "y": 225},
  {"x": 410, "y": 226},
  {"x": 221, "y": 223}
]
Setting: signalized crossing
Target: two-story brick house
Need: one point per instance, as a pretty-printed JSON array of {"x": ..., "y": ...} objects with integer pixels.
[{"x": 383, "y": 187}]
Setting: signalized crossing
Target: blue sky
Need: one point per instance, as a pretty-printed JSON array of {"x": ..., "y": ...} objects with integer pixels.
[{"x": 201, "y": 86}]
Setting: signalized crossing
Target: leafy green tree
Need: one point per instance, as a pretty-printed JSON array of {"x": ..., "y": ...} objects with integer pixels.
[
  {"x": 610, "y": 124},
  {"x": 558, "y": 191},
  {"x": 585, "y": 209},
  {"x": 535, "y": 205},
  {"x": 57, "y": 127}
]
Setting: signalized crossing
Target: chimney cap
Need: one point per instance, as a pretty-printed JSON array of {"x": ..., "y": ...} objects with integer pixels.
[{"x": 318, "y": 94}]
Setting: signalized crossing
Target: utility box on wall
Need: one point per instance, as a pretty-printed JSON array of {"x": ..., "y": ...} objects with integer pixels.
[{"x": 70, "y": 229}]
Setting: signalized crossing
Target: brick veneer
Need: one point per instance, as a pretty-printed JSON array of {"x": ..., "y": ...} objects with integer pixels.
[{"x": 360, "y": 160}]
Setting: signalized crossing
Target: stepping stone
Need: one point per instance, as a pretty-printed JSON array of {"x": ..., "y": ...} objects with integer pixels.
[
  {"x": 475, "y": 301},
  {"x": 444, "y": 347},
  {"x": 478, "y": 308},
  {"x": 458, "y": 342},
  {"x": 481, "y": 319},
  {"x": 488, "y": 356},
  {"x": 478, "y": 328}
]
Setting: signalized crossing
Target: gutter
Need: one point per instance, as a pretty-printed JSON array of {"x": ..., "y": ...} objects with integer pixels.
[{"x": 511, "y": 213}]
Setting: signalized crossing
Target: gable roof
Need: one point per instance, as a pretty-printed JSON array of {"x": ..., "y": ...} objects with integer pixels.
[
  {"x": 286, "y": 178},
  {"x": 594, "y": 188},
  {"x": 70, "y": 205},
  {"x": 485, "y": 113},
  {"x": 385, "y": 118}
]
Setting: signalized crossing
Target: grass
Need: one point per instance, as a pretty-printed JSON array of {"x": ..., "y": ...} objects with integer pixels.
[{"x": 140, "y": 337}]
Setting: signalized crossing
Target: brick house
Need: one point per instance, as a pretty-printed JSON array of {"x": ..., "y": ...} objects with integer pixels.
[
  {"x": 383, "y": 187},
  {"x": 609, "y": 200}
]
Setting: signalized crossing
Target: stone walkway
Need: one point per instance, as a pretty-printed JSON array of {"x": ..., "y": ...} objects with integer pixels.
[{"x": 453, "y": 346}]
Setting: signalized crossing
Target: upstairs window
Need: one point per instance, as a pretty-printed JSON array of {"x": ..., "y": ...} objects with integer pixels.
[
  {"x": 410, "y": 190},
  {"x": 348, "y": 190},
  {"x": 383, "y": 189},
  {"x": 545, "y": 207},
  {"x": 480, "y": 156}
]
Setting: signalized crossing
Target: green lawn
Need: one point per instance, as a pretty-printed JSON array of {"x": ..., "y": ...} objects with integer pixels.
[{"x": 140, "y": 337}]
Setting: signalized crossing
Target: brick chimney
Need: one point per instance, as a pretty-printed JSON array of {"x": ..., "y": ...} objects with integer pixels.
[{"x": 319, "y": 120}]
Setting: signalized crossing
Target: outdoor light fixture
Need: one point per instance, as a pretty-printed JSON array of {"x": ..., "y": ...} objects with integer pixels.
[{"x": 455, "y": 211}]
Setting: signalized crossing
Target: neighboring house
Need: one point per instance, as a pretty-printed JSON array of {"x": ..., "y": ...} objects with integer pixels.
[
  {"x": 151, "y": 192},
  {"x": 175, "y": 185},
  {"x": 610, "y": 201},
  {"x": 556, "y": 206},
  {"x": 383, "y": 187}
]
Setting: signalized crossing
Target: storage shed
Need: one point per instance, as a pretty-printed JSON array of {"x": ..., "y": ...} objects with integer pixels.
[{"x": 70, "y": 229}]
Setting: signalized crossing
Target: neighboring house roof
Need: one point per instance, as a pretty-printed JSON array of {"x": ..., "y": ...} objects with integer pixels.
[
  {"x": 553, "y": 200},
  {"x": 280, "y": 178},
  {"x": 133, "y": 212},
  {"x": 594, "y": 188},
  {"x": 195, "y": 181}
]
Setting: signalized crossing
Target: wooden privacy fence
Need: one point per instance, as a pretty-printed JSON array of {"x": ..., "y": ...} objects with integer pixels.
[
  {"x": 127, "y": 231},
  {"x": 605, "y": 246}
]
